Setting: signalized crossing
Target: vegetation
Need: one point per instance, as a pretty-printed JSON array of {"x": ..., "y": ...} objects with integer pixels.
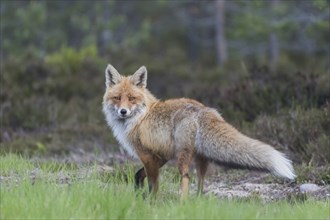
[
  {"x": 263, "y": 64},
  {"x": 52, "y": 191},
  {"x": 62, "y": 94}
]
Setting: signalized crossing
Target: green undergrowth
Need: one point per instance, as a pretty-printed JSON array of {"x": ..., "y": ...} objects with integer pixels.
[
  {"x": 34, "y": 190},
  {"x": 52, "y": 105}
]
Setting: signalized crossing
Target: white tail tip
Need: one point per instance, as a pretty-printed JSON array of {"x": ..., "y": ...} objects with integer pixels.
[{"x": 281, "y": 166}]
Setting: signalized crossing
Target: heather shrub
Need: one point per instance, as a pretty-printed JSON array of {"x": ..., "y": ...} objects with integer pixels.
[
  {"x": 303, "y": 132},
  {"x": 63, "y": 91}
]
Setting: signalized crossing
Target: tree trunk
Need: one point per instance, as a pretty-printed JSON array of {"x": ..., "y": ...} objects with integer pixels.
[
  {"x": 274, "y": 50},
  {"x": 220, "y": 39}
]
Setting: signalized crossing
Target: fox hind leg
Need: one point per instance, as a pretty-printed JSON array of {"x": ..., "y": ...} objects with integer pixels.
[
  {"x": 139, "y": 177},
  {"x": 201, "y": 168},
  {"x": 184, "y": 160}
]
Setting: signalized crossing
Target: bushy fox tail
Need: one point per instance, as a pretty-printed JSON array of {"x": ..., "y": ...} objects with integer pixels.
[{"x": 222, "y": 143}]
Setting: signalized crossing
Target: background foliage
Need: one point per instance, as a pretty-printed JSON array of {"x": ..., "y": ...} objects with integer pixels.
[{"x": 273, "y": 85}]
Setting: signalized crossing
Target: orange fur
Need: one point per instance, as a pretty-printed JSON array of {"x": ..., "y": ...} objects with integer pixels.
[{"x": 156, "y": 131}]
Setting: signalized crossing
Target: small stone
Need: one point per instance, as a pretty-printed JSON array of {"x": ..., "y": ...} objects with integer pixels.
[{"x": 308, "y": 187}]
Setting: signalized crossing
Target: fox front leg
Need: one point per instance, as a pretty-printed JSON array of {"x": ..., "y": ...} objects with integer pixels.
[{"x": 152, "y": 164}]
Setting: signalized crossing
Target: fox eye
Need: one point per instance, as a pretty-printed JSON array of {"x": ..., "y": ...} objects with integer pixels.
[
  {"x": 117, "y": 98},
  {"x": 131, "y": 98}
]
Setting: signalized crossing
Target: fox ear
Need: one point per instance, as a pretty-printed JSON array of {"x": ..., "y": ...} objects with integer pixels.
[
  {"x": 112, "y": 77},
  {"x": 139, "y": 78}
]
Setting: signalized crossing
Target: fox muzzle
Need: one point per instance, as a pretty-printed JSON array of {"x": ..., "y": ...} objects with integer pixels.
[{"x": 124, "y": 112}]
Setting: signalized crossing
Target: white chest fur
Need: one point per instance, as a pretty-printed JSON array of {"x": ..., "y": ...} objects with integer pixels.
[{"x": 120, "y": 130}]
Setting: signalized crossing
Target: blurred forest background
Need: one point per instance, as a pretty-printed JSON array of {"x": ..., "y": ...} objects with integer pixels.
[{"x": 263, "y": 64}]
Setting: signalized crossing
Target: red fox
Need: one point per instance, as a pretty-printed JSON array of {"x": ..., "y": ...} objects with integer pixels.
[{"x": 157, "y": 131}]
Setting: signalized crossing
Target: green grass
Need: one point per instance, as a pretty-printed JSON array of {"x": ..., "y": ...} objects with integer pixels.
[{"x": 30, "y": 190}]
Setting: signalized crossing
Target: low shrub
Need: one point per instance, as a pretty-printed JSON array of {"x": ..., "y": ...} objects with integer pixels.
[
  {"x": 304, "y": 132},
  {"x": 65, "y": 89}
]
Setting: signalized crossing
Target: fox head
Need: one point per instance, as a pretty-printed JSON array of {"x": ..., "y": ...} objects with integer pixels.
[{"x": 125, "y": 97}]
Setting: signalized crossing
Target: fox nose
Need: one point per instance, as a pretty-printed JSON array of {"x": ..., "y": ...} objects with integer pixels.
[{"x": 123, "y": 111}]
